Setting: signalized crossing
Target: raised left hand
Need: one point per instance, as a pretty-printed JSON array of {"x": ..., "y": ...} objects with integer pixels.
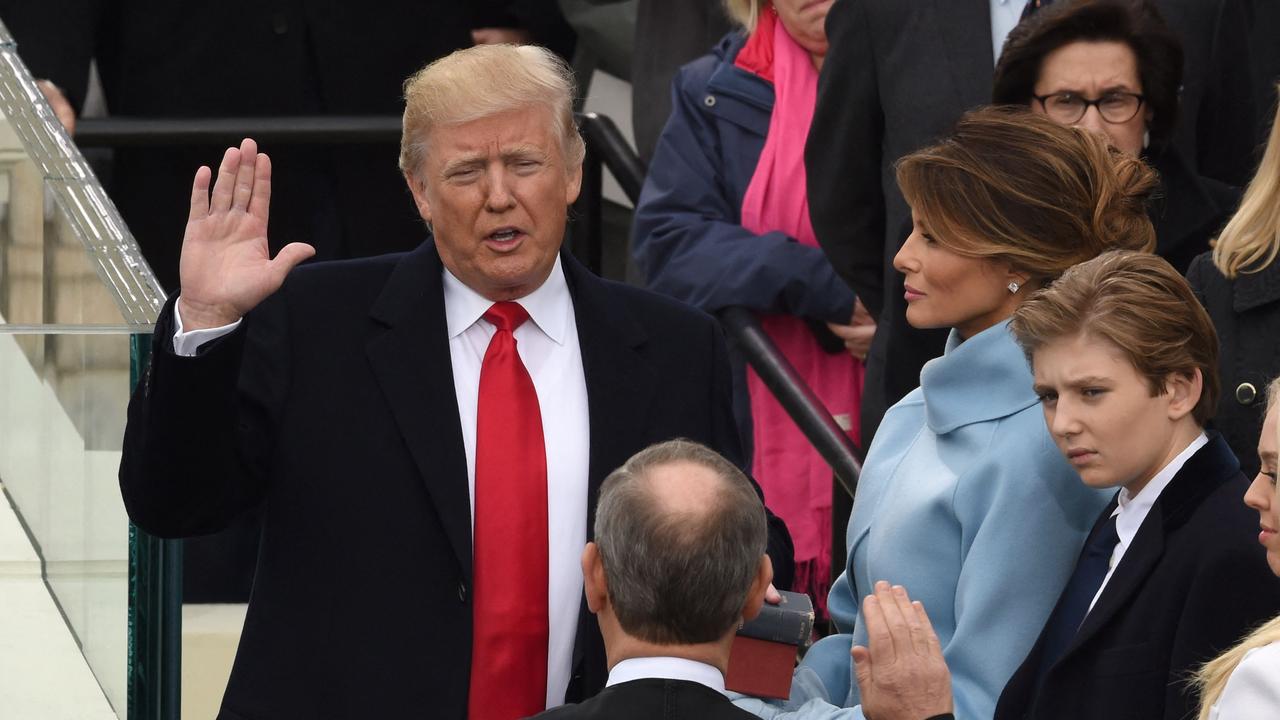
[{"x": 901, "y": 673}]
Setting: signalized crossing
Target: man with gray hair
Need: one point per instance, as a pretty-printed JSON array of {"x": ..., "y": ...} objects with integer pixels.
[
  {"x": 426, "y": 431},
  {"x": 678, "y": 563}
]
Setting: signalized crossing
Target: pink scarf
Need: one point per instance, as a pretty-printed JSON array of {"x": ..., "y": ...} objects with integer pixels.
[{"x": 795, "y": 479}]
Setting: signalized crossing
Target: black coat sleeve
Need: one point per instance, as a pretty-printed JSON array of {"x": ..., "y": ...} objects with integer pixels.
[
  {"x": 200, "y": 429},
  {"x": 843, "y": 157}
]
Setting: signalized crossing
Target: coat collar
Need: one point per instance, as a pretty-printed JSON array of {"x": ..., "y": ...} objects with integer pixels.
[
  {"x": 1255, "y": 289},
  {"x": 621, "y": 383},
  {"x": 1202, "y": 474},
  {"x": 983, "y": 378},
  {"x": 729, "y": 80},
  {"x": 408, "y": 350}
]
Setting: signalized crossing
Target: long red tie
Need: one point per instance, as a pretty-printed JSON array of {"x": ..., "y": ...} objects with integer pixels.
[{"x": 509, "y": 620}]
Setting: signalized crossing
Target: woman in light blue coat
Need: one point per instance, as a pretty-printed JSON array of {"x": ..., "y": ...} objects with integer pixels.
[{"x": 964, "y": 499}]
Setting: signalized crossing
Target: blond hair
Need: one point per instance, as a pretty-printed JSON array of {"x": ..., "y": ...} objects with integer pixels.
[
  {"x": 744, "y": 12},
  {"x": 1212, "y": 678},
  {"x": 1251, "y": 239},
  {"x": 1011, "y": 186},
  {"x": 1138, "y": 303},
  {"x": 482, "y": 81}
]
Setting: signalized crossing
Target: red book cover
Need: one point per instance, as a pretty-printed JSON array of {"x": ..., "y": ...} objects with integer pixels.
[{"x": 764, "y": 651}]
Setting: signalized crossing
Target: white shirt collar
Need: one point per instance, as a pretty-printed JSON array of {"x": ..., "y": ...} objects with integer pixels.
[
  {"x": 667, "y": 668},
  {"x": 1132, "y": 510},
  {"x": 549, "y": 306}
]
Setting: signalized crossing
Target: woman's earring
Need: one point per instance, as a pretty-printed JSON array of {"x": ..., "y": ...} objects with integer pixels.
[
  {"x": 1146, "y": 139},
  {"x": 1013, "y": 286}
]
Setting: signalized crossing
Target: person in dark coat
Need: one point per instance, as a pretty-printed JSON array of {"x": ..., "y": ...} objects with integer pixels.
[
  {"x": 242, "y": 58},
  {"x": 676, "y": 566},
  {"x": 722, "y": 221},
  {"x": 1239, "y": 284},
  {"x": 1125, "y": 361},
  {"x": 1122, "y": 55},
  {"x": 357, "y": 403},
  {"x": 899, "y": 74}
]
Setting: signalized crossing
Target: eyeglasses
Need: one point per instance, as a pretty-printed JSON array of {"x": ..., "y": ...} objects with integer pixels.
[{"x": 1068, "y": 108}]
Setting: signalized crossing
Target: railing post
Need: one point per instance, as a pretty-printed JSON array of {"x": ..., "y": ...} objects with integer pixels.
[{"x": 155, "y": 604}]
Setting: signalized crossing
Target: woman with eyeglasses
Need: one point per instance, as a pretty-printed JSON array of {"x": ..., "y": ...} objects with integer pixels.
[{"x": 1115, "y": 67}]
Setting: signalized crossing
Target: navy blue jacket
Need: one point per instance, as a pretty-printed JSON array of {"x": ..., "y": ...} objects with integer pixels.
[{"x": 688, "y": 240}]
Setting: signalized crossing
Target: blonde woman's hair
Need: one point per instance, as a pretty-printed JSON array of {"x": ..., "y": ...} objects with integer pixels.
[
  {"x": 1251, "y": 240},
  {"x": 1212, "y": 678},
  {"x": 1019, "y": 188},
  {"x": 744, "y": 12},
  {"x": 483, "y": 81}
]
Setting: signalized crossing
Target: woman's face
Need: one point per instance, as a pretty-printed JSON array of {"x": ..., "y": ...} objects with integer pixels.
[
  {"x": 1262, "y": 493},
  {"x": 805, "y": 21},
  {"x": 1092, "y": 71},
  {"x": 946, "y": 289}
]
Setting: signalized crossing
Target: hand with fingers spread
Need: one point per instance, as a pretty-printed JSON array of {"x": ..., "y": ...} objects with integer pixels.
[
  {"x": 226, "y": 267},
  {"x": 901, "y": 673},
  {"x": 858, "y": 333}
]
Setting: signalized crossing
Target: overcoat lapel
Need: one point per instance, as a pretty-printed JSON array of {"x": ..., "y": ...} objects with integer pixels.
[
  {"x": 408, "y": 349},
  {"x": 1209, "y": 467},
  {"x": 620, "y": 383},
  {"x": 964, "y": 27}
]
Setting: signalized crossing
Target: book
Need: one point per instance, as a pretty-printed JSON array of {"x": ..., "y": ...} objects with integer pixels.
[{"x": 764, "y": 650}]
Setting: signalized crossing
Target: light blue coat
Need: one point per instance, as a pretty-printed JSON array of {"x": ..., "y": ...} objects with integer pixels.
[{"x": 965, "y": 501}]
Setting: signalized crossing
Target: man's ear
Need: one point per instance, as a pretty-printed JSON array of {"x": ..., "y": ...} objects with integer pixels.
[
  {"x": 594, "y": 583},
  {"x": 755, "y": 595},
  {"x": 573, "y": 185},
  {"x": 1183, "y": 391},
  {"x": 419, "y": 190}
]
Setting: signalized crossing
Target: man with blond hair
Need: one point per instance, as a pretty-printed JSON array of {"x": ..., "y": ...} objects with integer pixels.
[{"x": 427, "y": 431}]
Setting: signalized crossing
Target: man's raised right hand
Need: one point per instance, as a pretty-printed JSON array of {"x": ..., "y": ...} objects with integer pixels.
[{"x": 226, "y": 267}]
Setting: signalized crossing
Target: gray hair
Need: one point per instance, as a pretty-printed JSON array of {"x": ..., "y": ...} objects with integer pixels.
[
  {"x": 482, "y": 81},
  {"x": 682, "y": 577}
]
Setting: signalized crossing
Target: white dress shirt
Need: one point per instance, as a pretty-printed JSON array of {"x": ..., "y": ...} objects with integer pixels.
[
  {"x": 548, "y": 347},
  {"x": 1253, "y": 690},
  {"x": 667, "y": 668},
  {"x": 1004, "y": 17},
  {"x": 1132, "y": 510}
]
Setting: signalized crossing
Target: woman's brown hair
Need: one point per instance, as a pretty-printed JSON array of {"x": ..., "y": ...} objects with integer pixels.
[
  {"x": 1138, "y": 303},
  {"x": 1018, "y": 188}
]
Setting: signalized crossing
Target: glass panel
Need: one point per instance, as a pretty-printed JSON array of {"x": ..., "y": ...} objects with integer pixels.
[{"x": 74, "y": 292}]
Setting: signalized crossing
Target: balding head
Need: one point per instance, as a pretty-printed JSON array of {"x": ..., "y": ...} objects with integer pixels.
[{"x": 681, "y": 533}]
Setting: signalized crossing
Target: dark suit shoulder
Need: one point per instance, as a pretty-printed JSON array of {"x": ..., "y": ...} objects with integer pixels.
[
  {"x": 652, "y": 699},
  {"x": 657, "y": 310}
]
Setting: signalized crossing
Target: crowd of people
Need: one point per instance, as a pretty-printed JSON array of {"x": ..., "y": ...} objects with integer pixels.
[{"x": 1025, "y": 254}]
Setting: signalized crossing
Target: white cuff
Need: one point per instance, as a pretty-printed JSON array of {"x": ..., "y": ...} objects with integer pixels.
[{"x": 185, "y": 344}]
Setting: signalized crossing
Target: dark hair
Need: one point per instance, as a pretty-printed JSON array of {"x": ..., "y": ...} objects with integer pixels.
[
  {"x": 1015, "y": 187},
  {"x": 678, "y": 576},
  {"x": 1135, "y": 23},
  {"x": 1139, "y": 304}
]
